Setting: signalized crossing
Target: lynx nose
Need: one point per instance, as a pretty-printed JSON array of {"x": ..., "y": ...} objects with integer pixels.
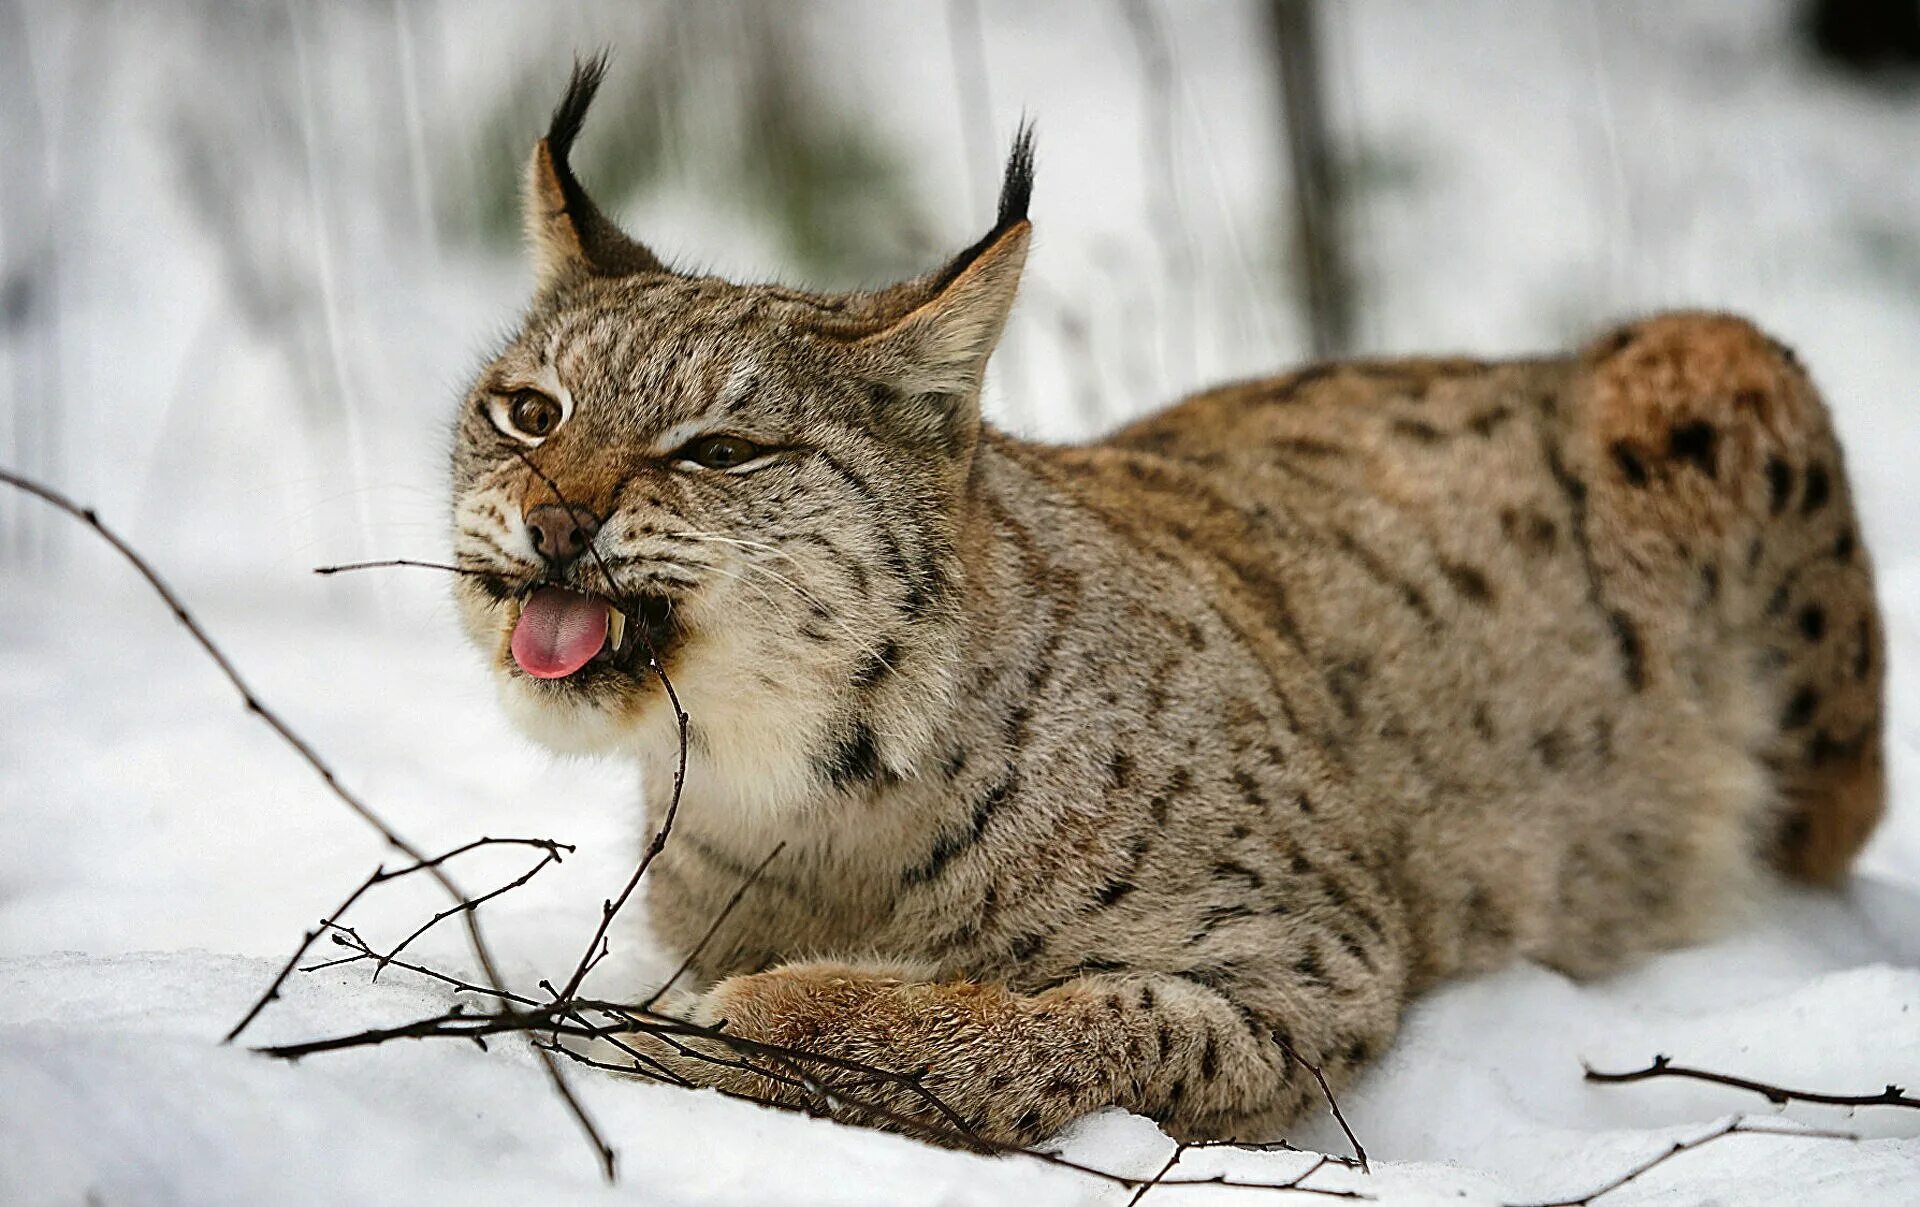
[{"x": 559, "y": 535}]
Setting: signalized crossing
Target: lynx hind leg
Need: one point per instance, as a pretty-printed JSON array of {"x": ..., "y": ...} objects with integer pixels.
[{"x": 1718, "y": 464}]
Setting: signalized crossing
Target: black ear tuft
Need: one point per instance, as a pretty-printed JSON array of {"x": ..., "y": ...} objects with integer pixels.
[
  {"x": 1016, "y": 187},
  {"x": 1016, "y": 191},
  {"x": 573, "y": 112},
  {"x": 570, "y": 228},
  {"x": 568, "y": 116}
]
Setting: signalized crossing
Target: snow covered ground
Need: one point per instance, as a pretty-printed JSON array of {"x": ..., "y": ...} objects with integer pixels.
[{"x": 1539, "y": 170}]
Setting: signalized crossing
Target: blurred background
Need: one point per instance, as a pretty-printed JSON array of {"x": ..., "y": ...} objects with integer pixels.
[
  {"x": 264, "y": 242},
  {"x": 249, "y": 253}
]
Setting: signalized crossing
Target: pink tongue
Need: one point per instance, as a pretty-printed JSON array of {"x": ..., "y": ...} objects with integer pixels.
[{"x": 559, "y": 632}]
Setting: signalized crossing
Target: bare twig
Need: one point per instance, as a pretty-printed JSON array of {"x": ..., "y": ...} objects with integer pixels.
[
  {"x": 713, "y": 927},
  {"x": 1737, "y": 1126},
  {"x": 637, "y": 1069},
  {"x": 378, "y": 876},
  {"x": 475, "y": 938},
  {"x": 1173, "y": 1159},
  {"x": 551, "y": 856},
  {"x": 387, "y": 563},
  {"x": 1272, "y": 1146},
  {"x": 1359, "y": 1153},
  {"x": 564, "y": 1019},
  {"x": 89, "y": 517},
  {"x": 348, "y": 937},
  {"x": 306, "y": 941},
  {"x": 1663, "y": 1066},
  {"x": 611, "y": 909}
]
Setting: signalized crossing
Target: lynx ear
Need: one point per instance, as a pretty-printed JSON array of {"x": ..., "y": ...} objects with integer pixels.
[
  {"x": 941, "y": 345},
  {"x": 570, "y": 237}
]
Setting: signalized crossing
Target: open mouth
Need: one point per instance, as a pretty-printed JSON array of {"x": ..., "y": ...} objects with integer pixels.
[{"x": 559, "y": 633}]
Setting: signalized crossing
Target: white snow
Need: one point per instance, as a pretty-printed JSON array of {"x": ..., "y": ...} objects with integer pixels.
[{"x": 160, "y": 852}]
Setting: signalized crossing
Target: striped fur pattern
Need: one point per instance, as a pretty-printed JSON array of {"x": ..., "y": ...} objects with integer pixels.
[{"x": 1111, "y": 774}]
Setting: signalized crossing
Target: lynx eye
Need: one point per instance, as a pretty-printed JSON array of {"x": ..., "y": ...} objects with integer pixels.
[
  {"x": 533, "y": 415},
  {"x": 528, "y": 415},
  {"x": 718, "y": 452}
]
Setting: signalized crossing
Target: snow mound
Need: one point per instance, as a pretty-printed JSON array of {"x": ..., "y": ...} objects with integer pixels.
[{"x": 118, "y": 1088}]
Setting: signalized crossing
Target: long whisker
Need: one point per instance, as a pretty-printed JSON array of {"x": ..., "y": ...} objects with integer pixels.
[
  {"x": 644, "y": 561},
  {"x": 861, "y": 643},
  {"x": 694, "y": 534},
  {"x": 804, "y": 594},
  {"x": 656, "y": 576},
  {"x": 746, "y": 544},
  {"x": 733, "y": 540},
  {"x": 816, "y": 601},
  {"x": 748, "y": 583},
  {"x": 796, "y": 588},
  {"x": 800, "y": 592},
  {"x": 879, "y": 730}
]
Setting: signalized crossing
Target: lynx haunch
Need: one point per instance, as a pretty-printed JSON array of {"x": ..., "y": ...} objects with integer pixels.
[{"x": 1115, "y": 774}]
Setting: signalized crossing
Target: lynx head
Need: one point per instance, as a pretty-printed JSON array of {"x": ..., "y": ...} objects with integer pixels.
[{"x": 759, "y": 485}]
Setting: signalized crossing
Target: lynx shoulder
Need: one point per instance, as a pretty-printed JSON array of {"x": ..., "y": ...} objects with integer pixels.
[{"x": 1147, "y": 772}]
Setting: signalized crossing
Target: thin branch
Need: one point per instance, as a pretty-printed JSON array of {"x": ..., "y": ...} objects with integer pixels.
[
  {"x": 562, "y": 1019},
  {"x": 1173, "y": 1159},
  {"x": 379, "y": 875},
  {"x": 636, "y": 1069},
  {"x": 386, "y": 563},
  {"x": 1737, "y": 1126},
  {"x": 89, "y": 517},
  {"x": 713, "y": 927},
  {"x": 475, "y": 938},
  {"x": 1663, "y": 1066},
  {"x": 1359, "y": 1153},
  {"x": 1272, "y": 1146},
  {"x": 306, "y": 941},
  {"x": 1321, "y": 1162},
  {"x": 348, "y": 937},
  {"x": 551, "y": 856},
  {"x": 611, "y": 909}
]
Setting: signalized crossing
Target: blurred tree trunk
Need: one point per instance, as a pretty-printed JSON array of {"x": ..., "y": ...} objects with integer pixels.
[
  {"x": 29, "y": 293},
  {"x": 1865, "y": 36},
  {"x": 1325, "y": 277}
]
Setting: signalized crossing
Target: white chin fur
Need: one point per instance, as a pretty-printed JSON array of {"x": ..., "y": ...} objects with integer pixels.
[{"x": 561, "y": 725}]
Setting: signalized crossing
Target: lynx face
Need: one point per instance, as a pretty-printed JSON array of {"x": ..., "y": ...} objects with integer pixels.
[
  {"x": 756, "y": 485},
  {"x": 742, "y": 503}
]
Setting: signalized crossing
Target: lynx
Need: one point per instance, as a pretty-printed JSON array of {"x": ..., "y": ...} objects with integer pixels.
[{"x": 1151, "y": 771}]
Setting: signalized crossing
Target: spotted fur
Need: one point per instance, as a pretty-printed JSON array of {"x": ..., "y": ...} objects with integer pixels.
[{"x": 1108, "y": 774}]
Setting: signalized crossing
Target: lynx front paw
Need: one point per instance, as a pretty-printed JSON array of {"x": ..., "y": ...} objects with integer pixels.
[
  {"x": 962, "y": 1063},
  {"x": 958, "y": 1063}
]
